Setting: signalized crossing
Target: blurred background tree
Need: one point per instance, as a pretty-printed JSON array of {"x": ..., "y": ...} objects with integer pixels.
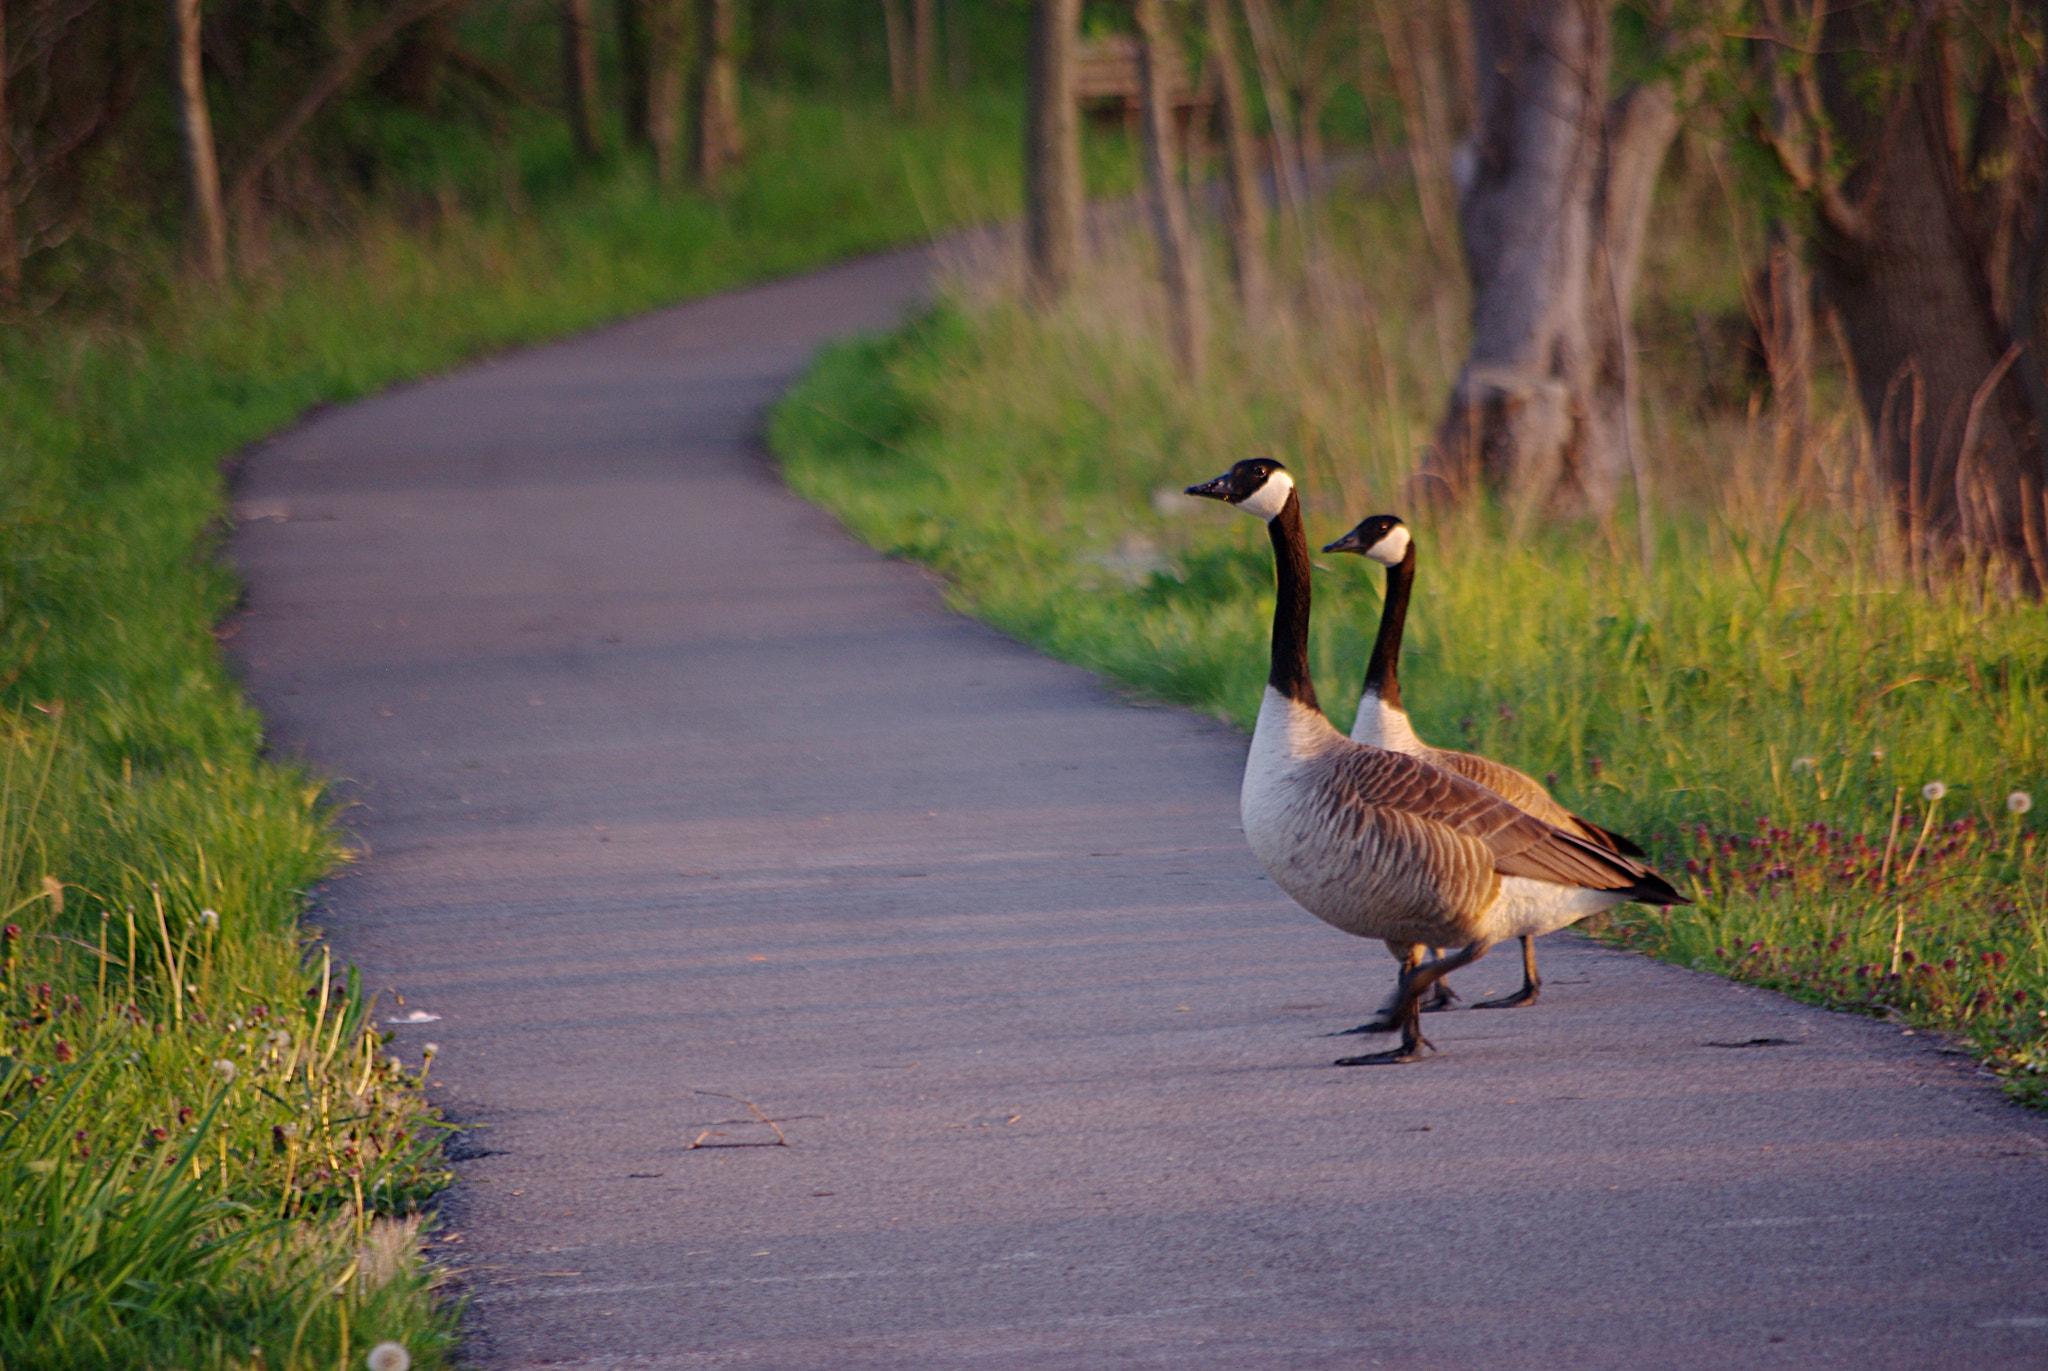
[
  {"x": 1892, "y": 150},
  {"x": 134, "y": 140}
]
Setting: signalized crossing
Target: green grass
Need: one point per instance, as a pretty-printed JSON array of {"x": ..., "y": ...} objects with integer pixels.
[
  {"x": 1755, "y": 705},
  {"x": 161, "y": 1209}
]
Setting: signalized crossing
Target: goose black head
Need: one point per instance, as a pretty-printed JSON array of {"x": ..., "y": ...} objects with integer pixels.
[
  {"x": 1383, "y": 537},
  {"x": 1258, "y": 485}
]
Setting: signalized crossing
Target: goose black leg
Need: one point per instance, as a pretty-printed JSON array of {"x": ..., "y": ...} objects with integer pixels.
[
  {"x": 1406, "y": 1012},
  {"x": 1441, "y": 996},
  {"x": 1531, "y": 983},
  {"x": 1410, "y": 956}
]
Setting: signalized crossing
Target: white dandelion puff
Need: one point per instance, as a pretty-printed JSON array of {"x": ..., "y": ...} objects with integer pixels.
[
  {"x": 2019, "y": 802},
  {"x": 430, "y": 1049},
  {"x": 210, "y": 918},
  {"x": 224, "y": 1068},
  {"x": 1801, "y": 765},
  {"x": 389, "y": 1356},
  {"x": 1933, "y": 791}
]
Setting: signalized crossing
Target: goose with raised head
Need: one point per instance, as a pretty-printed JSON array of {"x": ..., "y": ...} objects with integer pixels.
[
  {"x": 1383, "y": 845},
  {"x": 1383, "y": 722}
]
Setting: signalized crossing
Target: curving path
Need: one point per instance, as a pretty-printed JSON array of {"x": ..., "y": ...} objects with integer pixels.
[{"x": 676, "y": 804}]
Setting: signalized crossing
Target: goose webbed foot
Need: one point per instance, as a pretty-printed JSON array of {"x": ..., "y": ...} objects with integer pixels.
[
  {"x": 1405, "y": 1014},
  {"x": 1412, "y": 1042},
  {"x": 1411, "y": 1050},
  {"x": 1440, "y": 998},
  {"x": 1532, "y": 984}
]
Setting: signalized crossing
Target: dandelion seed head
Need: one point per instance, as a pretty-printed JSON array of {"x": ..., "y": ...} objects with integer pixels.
[
  {"x": 225, "y": 1068},
  {"x": 1802, "y": 764},
  {"x": 210, "y": 918},
  {"x": 2019, "y": 802},
  {"x": 430, "y": 1049},
  {"x": 1933, "y": 791},
  {"x": 389, "y": 1356}
]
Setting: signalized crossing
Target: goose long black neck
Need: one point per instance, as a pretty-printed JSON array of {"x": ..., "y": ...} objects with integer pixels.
[
  {"x": 1382, "y": 672},
  {"x": 1291, "y": 608}
]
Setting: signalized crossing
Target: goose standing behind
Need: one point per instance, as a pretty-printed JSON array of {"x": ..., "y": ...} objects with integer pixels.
[
  {"x": 1382, "y": 845},
  {"x": 1383, "y": 722}
]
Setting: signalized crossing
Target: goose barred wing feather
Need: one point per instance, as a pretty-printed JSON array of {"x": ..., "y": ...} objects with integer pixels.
[
  {"x": 1519, "y": 843},
  {"x": 1521, "y": 790}
]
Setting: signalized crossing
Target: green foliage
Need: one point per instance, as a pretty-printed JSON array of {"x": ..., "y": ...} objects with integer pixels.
[
  {"x": 203, "y": 1151},
  {"x": 1773, "y": 671}
]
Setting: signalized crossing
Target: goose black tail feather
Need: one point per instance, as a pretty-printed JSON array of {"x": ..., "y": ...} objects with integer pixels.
[
  {"x": 1609, "y": 839},
  {"x": 1650, "y": 888}
]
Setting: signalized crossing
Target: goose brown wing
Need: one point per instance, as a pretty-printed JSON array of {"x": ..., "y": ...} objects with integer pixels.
[
  {"x": 1521, "y": 844},
  {"x": 1521, "y": 790}
]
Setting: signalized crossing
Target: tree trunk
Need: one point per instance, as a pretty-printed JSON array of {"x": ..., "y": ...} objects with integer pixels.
[
  {"x": 1902, "y": 260},
  {"x": 1177, "y": 266},
  {"x": 195, "y": 127},
  {"x": 1412, "y": 60},
  {"x": 10, "y": 235},
  {"x": 1287, "y": 163},
  {"x": 924, "y": 53},
  {"x": 719, "y": 141},
  {"x": 1052, "y": 150},
  {"x": 1246, "y": 205},
  {"x": 579, "y": 77},
  {"x": 898, "y": 36},
  {"x": 1553, "y": 220},
  {"x": 668, "y": 42},
  {"x": 632, "y": 16},
  {"x": 413, "y": 75},
  {"x": 959, "y": 65}
]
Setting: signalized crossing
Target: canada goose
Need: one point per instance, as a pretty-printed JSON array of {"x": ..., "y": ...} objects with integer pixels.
[
  {"x": 1382, "y": 845},
  {"x": 1382, "y": 722}
]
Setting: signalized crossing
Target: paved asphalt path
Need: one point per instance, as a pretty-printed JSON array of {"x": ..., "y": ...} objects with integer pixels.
[{"x": 676, "y": 805}]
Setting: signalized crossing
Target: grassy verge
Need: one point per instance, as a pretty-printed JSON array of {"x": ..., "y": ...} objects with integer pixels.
[
  {"x": 205, "y": 1159},
  {"x": 1824, "y": 753}
]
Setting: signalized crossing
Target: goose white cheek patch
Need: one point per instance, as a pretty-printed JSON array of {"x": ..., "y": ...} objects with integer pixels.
[
  {"x": 1389, "y": 550},
  {"x": 1269, "y": 499}
]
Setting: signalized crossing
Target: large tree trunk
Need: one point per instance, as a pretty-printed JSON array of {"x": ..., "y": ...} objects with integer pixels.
[
  {"x": 1245, "y": 214},
  {"x": 1903, "y": 260},
  {"x": 1052, "y": 150},
  {"x": 1553, "y": 219},
  {"x": 1177, "y": 266},
  {"x": 719, "y": 142},
  {"x": 579, "y": 77},
  {"x": 195, "y": 127}
]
